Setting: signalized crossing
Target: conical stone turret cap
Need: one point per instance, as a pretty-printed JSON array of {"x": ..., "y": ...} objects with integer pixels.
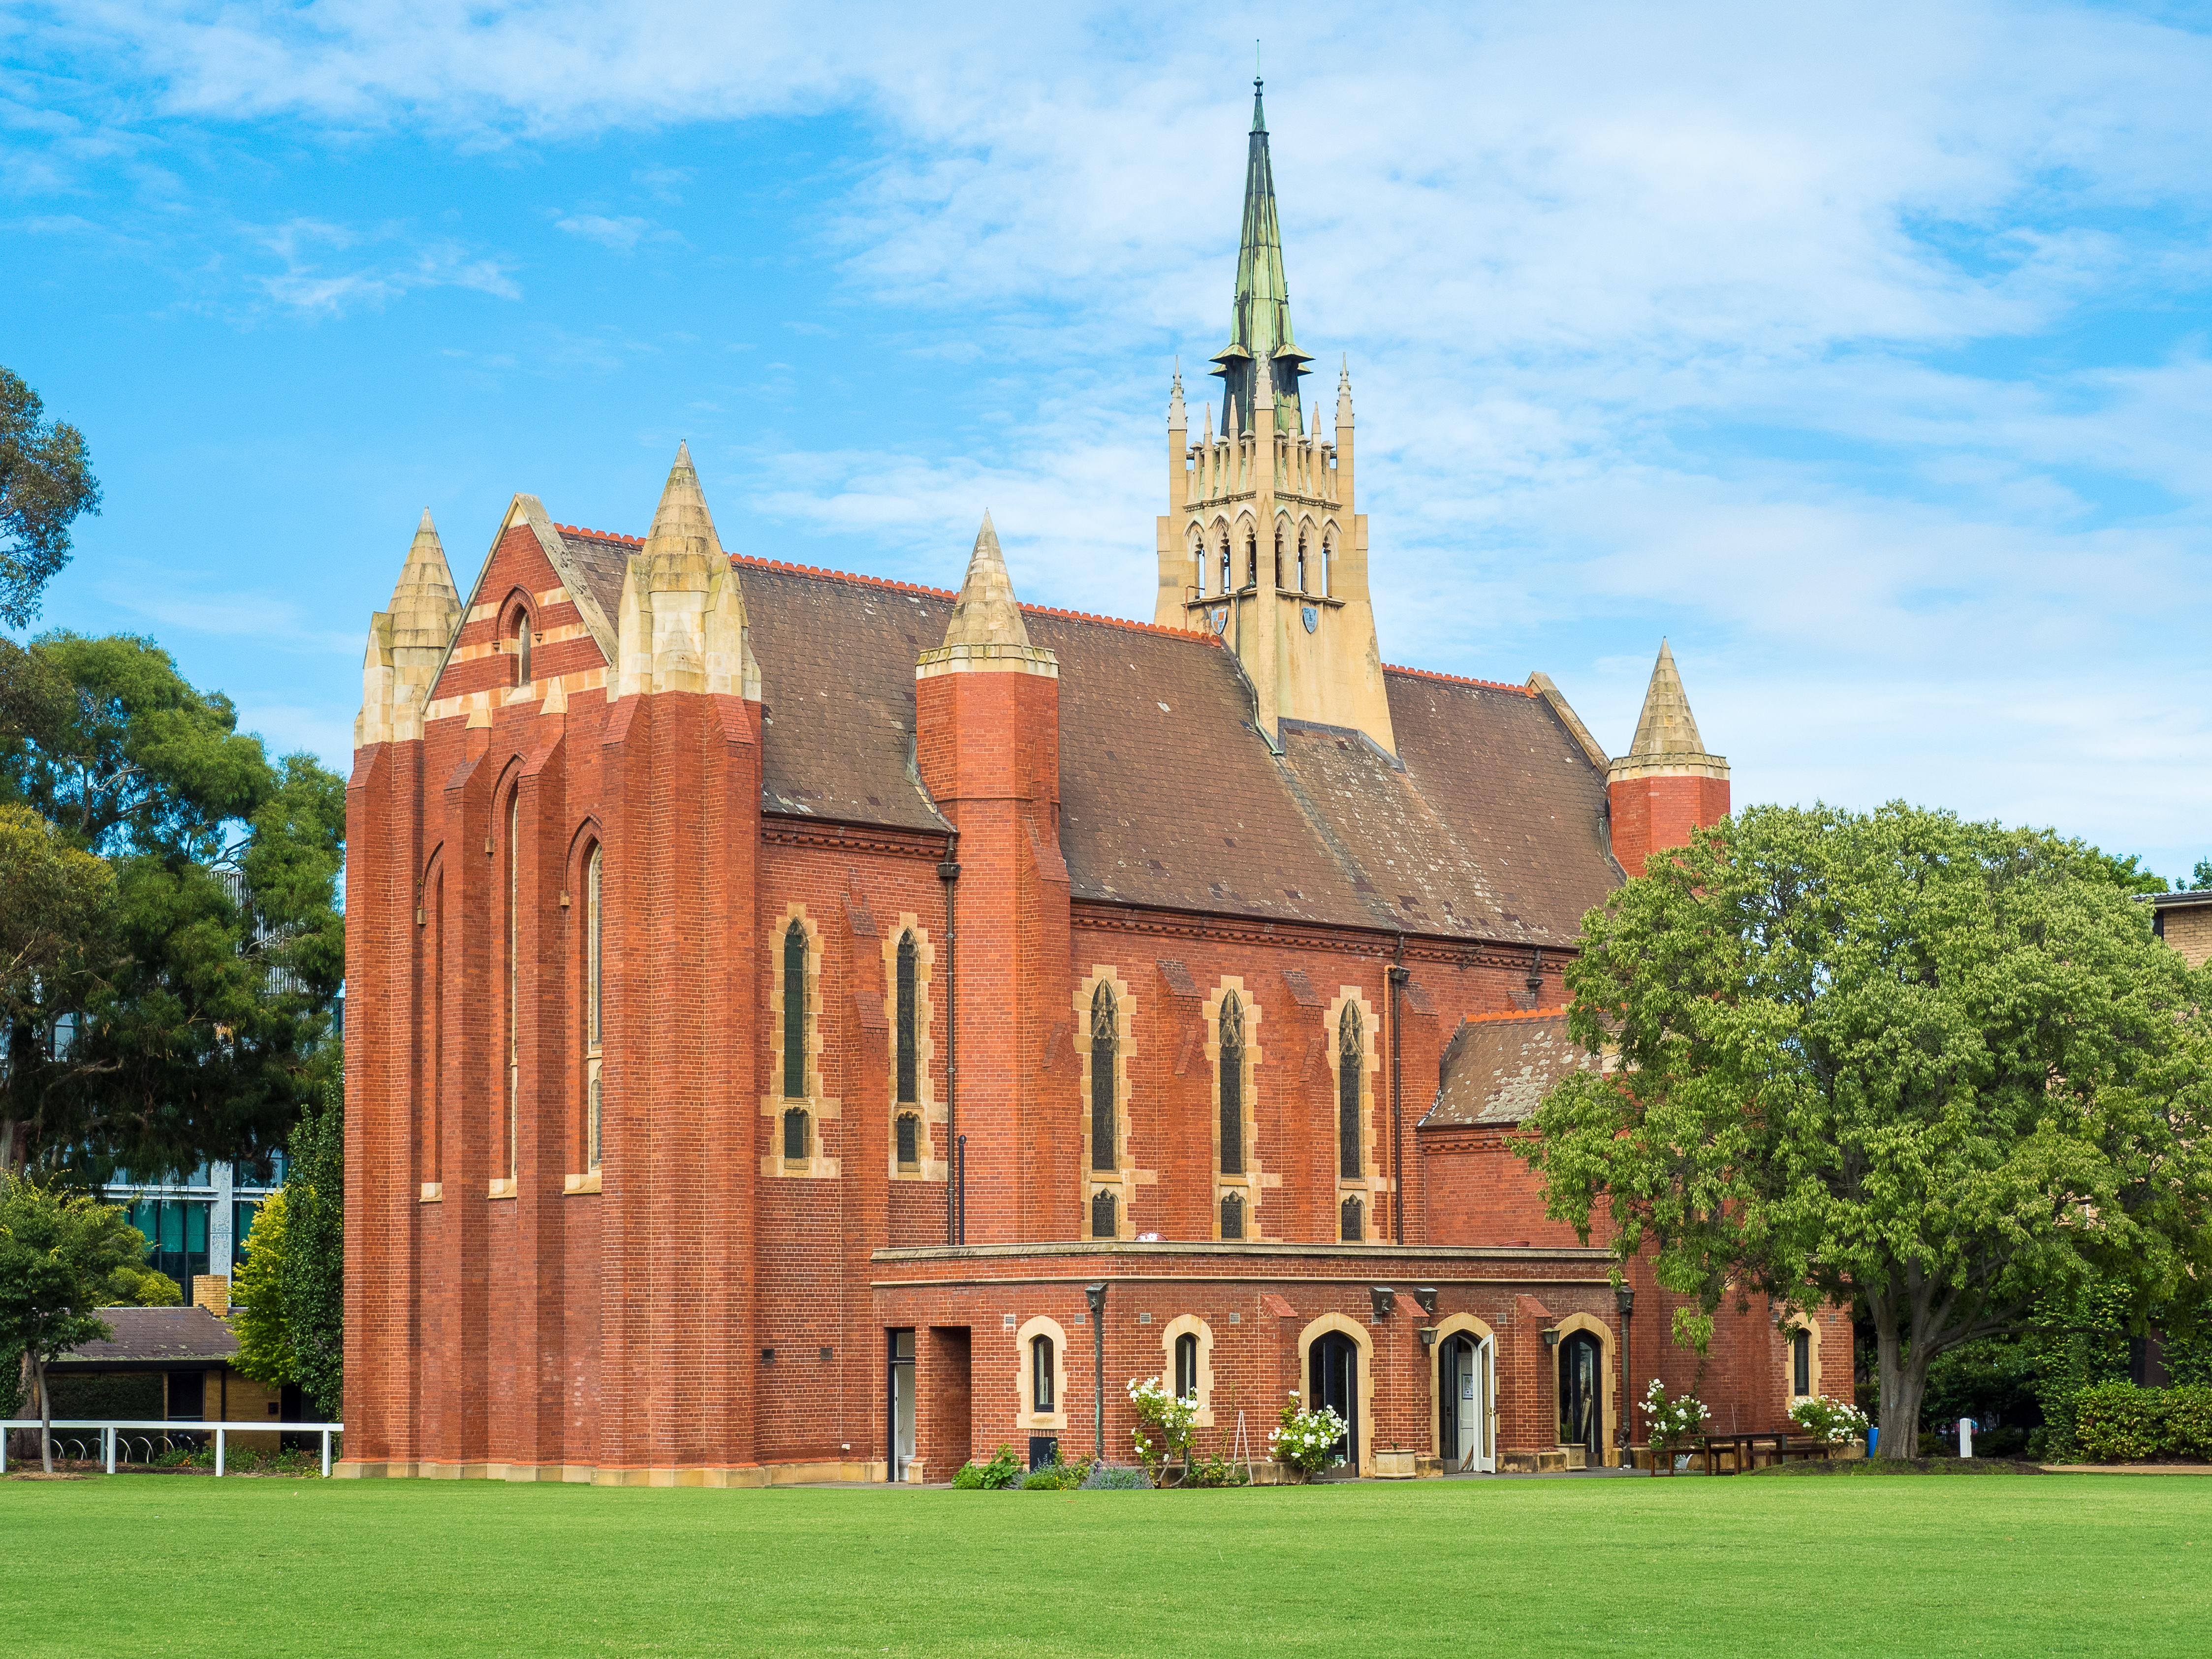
[
  {"x": 682, "y": 524},
  {"x": 987, "y": 629},
  {"x": 1667, "y": 736}
]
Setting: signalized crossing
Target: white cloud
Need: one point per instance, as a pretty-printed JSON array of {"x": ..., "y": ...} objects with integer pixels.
[{"x": 1780, "y": 330}]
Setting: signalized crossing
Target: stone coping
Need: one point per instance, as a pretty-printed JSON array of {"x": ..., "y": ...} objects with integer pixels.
[{"x": 1143, "y": 1249}]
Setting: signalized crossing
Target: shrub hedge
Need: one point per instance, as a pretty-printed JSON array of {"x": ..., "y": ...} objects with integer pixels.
[{"x": 2119, "y": 1423}]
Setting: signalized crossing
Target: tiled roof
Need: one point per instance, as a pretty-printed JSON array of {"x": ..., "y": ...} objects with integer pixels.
[
  {"x": 1498, "y": 1068},
  {"x": 1486, "y": 825},
  {"x": 181, "y": 1334}
]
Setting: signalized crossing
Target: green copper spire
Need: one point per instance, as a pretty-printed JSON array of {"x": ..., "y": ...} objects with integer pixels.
[{"x": 1260, "y": 331}]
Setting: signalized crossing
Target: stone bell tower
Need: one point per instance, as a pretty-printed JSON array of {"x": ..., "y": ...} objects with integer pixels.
[{"x": 1260, "y": 543}]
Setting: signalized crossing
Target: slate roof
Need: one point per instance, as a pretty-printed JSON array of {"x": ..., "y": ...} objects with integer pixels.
[
  {"x": 179, "y": 1335},
  {"x": 1486, "y": 826},
  {"x": 1498, "y": 1068}
]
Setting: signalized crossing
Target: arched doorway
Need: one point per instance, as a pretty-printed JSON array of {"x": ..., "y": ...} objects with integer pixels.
[
  {"x": 1466, "y": 1393},
  {"x": 1582, "y": 1394},
  {"x": 1333, "y": 1380}
]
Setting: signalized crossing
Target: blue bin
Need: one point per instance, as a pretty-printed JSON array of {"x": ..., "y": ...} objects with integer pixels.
[{"x": 1874, "y": 1439}]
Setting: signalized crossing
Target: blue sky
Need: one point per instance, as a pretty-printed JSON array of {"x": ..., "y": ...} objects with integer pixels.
[{"x": 1864, "y": 355}]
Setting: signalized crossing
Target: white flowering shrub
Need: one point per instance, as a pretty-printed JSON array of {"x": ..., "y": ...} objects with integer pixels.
[
  {"x": 1303, "y": 1439},
  {"x": 1830, "y": 1420},
  {"x": 1675, "y": 1419},
  {"x": 1164, "y": 1422}
]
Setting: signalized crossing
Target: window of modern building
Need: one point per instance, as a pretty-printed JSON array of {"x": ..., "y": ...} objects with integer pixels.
[
  {"x": 1101, "y": 1213},
  {"x": 593, "y": 1003},
  {"x": 1800, "y": 1361},
  {"x": 1232, "y": 1085},
  {"x": 910, "y": 1141},
  {"x": 1232, "y": 1215},
  {"x": 1186, "y": 1366},
  {"x": 1104, "y": 1038},
  {"x": 1351, "y": 1073},
  {"x": 908, "y": 1036},
  {"x": 176, "y": 1230},
  {"x": 795, "y": 1012},
  {"x": 1354, "y": 1221},
  {"x": 1041, "y": 1375},
  {"x": 242, "y": 1212},
  {"x": 794, "y": 1135}
]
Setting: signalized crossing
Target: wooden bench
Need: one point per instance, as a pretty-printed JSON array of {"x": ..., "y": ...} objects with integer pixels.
[{"x": 1741, "y": 1452}]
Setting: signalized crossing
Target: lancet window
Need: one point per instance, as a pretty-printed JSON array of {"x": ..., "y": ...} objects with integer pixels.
[
  {"x": 1104, "y": 1042},
  {"x": 908, "y": 1033},
  {"x": 1232, "y": 1085},
  {"x": 1351, "y": 1073},
  {"x": 594, "y": 1026}
]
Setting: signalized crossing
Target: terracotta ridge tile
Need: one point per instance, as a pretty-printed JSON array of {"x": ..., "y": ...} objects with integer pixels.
[
  {"x": 1518, "y": 1013},
  {"x": 1457, "y": 679}
]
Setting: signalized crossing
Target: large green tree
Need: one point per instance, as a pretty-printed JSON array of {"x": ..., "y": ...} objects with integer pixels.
[
  {"x": 45, "y": 482},
  {"x": 192, "y": 1018},
  {"x": 1943, "y": 1068},
  {"x": 60, "y": 1252}
]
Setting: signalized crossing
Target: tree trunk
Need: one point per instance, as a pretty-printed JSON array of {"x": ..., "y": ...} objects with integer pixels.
[{"x": 1901, "y": 1368}]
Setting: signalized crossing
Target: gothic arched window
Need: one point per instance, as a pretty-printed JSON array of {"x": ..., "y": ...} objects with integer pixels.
[
  {"x": 518, "y": 629},
  {"x": 514, "y": 984},
  {"x": 1350, "y": 1070},
  {"x": 1327, "y": 564},
  {"x": 594, "y": 1029},
  {"x": 910, "y": 1141},
  {"x": 1232, "y": 1085},
  {"x": 1228, "y": 578},
  {"x": 1302, "y": 561},
  {"x": 1232, "y": 1215},
  {"x": 1278, "y": 558},
  {"x": 794, "y": 1135},
  {"x": 1186, "y": 1366},
  {"x": 795, "y": 1012},
  {"x": 1251, "y": 560},
  {"x": 1354, "y": 1217},
  {"x": 909, "y": 1037},
  {"x": 1101, "y": 1213},
  {"x": 1104, "y": 1040}
]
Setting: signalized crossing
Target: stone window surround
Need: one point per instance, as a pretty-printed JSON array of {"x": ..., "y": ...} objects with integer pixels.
[
  {"x": 1790, "y": 1326},
  {"x": 1191, "y": 1325},
  {"x": 1371, "y": 1188},
  {"x": 819, "y": 1105},
  {"x": 1251, "y": 1183},
  {"x": 431, "y": 919},
  {"x": 1122, "y": 1179},
  {"x": 588, "y": 841},
  {"x": 929, "y": 1108},
  {"x": 507, "y": 794},
  {"x": 1024, "y": 1407}
]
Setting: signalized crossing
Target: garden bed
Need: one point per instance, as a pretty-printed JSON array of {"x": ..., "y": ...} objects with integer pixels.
[{"x": 1866, "y": 1465}]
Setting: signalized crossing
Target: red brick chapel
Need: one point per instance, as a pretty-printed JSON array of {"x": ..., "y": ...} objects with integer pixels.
[{"x": 806, "y": 1026}]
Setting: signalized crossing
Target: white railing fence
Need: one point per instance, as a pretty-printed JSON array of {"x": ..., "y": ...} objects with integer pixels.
[{"x": 145, "y": 1431}]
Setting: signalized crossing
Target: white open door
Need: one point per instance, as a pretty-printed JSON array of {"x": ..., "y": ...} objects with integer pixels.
[{"x": 1483, "y": 1414}]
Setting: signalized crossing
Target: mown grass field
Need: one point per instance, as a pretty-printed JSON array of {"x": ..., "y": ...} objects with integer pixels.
[{"x": 143, "y": 1566}]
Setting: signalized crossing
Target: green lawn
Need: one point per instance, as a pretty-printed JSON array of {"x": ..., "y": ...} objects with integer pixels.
[{"x": 135, "y": 1566}]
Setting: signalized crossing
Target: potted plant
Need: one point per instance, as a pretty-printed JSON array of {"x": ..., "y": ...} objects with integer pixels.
[
  {"x": 1304, "y": 1439},
  {"x": 1676, "y": 1420}
]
